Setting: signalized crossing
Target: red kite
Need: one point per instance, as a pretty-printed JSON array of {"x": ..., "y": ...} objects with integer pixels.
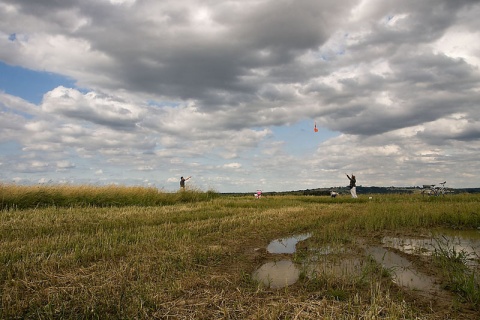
[{"x": 315, "y": 128}]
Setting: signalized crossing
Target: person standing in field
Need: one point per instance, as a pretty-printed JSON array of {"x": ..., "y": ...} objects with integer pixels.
[
  {"x": 352, "y": 186},
  {"x": 182, "y": 182}
]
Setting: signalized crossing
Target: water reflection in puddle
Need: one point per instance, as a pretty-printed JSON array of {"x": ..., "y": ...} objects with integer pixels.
[
  {"x": 277, "y": 274},
  {"x": 332, "y": 261},
  {"x": 286, "y": 245},
  {"x": 281, "y": 273},
  {"x": 402, "y": 270},
  {"x": 467, "y": 242}
]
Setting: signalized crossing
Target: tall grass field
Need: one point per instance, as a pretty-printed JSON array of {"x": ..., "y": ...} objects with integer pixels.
[{"x": 84, "y": 252}]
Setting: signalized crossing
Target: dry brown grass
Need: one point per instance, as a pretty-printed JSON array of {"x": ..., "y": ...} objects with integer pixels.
[{"x": 194, "y": 261}]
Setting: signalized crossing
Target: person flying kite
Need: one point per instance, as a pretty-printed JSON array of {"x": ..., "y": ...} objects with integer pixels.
[{"x": 182, "y": 182}]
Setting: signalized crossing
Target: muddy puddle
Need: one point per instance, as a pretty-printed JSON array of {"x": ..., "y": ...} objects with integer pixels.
[
  {"x": 462, "y": 242},
  {"x": 402, "y": 271},
  {"x": 286, "y": 245},
  {"x": 279, "y": 274},
  {"x": 337, "y": 261}
]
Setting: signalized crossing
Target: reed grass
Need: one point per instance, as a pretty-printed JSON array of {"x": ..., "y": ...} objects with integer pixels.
[
  {"x": 191, "y": 257},
  {"x": 23, "y": 197},
  {"x": 461, "y": 279}
]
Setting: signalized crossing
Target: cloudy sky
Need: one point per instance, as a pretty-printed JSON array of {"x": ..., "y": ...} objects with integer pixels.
[{"x": 141, "y": 92}]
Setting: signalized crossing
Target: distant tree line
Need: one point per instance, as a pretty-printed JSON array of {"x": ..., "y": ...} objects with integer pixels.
[{"x": 360, "y": 190}]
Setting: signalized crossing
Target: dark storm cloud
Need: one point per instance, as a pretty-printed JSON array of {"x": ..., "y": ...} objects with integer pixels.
[
  {"x": 397, "y": 80},
  {"x": 422, "y": 87},
  {"x": 284, "y": 28},
  {"x": 435, "y": 72},
  {"x": 200, "y": 66},
  {"x": 157, "y": 49},
  {"x": 241, "y": 53},
  {"x": 166, "y": 54}
]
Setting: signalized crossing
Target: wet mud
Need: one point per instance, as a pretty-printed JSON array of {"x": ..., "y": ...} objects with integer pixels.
[{"x": 401, "y": 257}]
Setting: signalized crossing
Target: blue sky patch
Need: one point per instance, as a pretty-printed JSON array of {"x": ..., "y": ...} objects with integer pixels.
[{"x": 28, "y": 84}]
